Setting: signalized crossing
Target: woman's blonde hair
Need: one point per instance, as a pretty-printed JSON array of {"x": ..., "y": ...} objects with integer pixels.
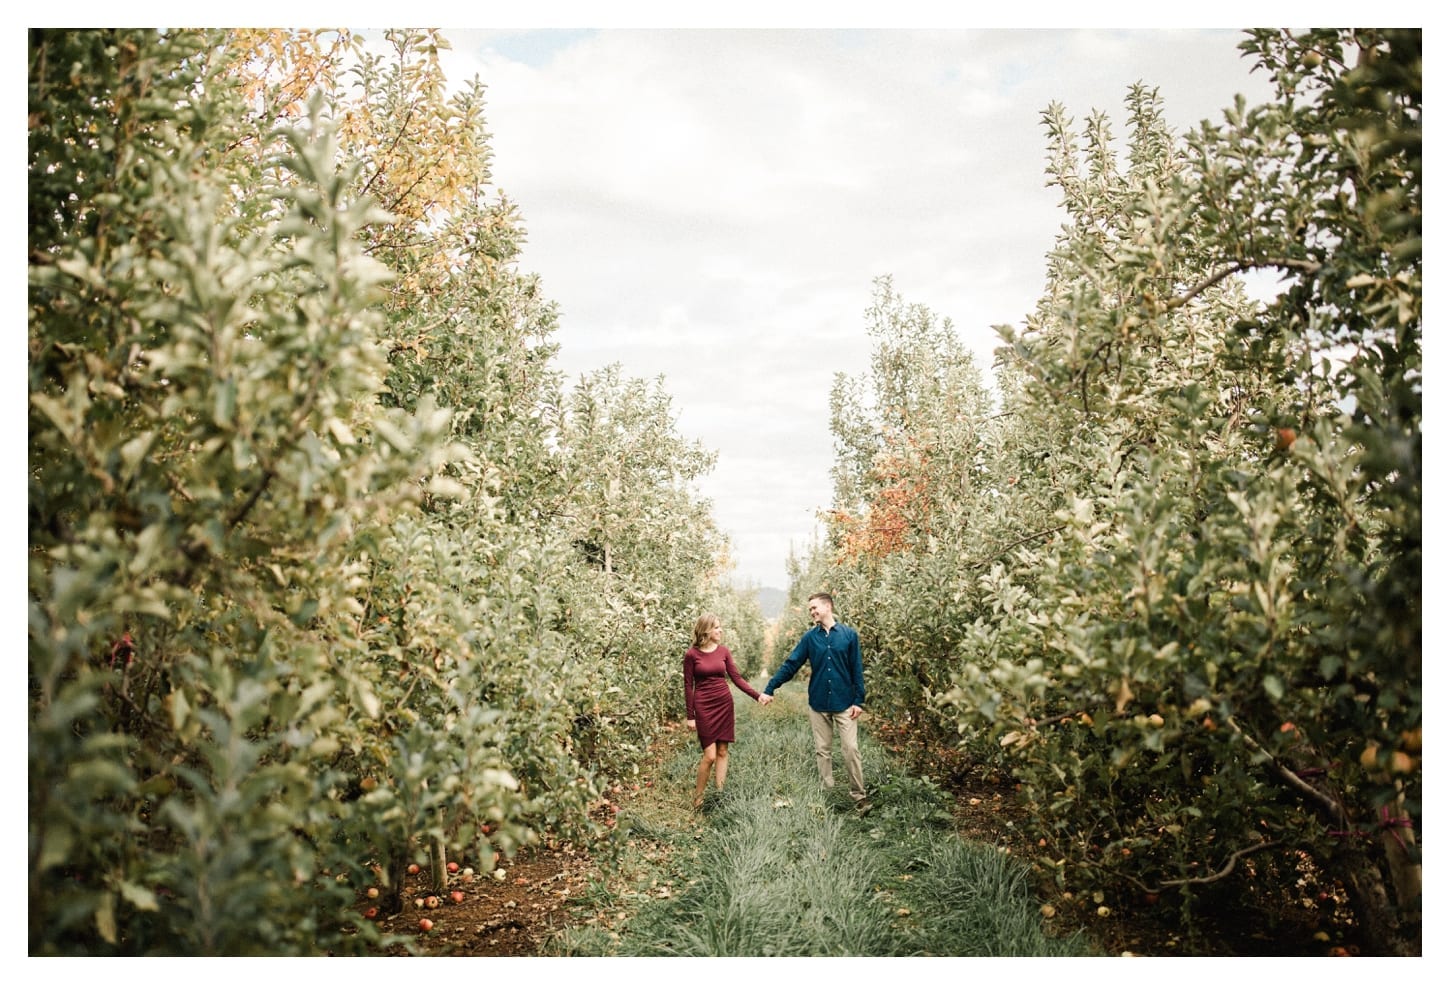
[{"x": 703, "y": 625}]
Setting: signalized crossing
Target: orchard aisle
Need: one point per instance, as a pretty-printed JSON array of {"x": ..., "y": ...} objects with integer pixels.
[{"x": 776, "y": 866}]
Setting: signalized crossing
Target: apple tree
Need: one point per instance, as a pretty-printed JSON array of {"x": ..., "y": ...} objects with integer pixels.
[{"x": 1214, "y": 677}]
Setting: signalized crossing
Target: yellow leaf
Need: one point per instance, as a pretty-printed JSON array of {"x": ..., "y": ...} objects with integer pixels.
[{"x": 1125, "y": 694}]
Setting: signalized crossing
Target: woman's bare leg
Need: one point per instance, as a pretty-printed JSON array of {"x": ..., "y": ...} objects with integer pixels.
[{"x": 702, "y": 775}]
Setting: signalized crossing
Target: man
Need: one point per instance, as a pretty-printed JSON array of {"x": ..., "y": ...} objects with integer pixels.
[{"x": 836, "y": 692}]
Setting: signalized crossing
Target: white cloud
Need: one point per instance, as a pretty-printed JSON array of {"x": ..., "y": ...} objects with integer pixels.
[{"x": 713, "y": 206}]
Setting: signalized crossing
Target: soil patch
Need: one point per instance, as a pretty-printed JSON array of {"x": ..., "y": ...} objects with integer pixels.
[{"x": 510, "y": 917}]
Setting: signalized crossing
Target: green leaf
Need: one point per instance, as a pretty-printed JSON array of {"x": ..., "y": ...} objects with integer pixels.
[
  {"x": 138, "y": 896},
  {"x": 1273, "y": 687}
]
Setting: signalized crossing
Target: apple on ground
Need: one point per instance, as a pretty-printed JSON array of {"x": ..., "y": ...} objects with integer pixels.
[
  {"x": 372, "y": 892},
  {"x": 413, "y": 869},
  {"x": 431, "y": 902},
  {"x": 452, "y": 866},
  {"x": 371, "y": 912},
  {"x": 456, "y": 896},
  {"x": 425, "y": 925}
]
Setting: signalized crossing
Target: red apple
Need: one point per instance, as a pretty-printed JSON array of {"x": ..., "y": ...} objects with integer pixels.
[
  {"x": 431, "y": 902},
  {"x": 452, "y": 866},
  {"x": 456, "y": 896},
  {"x": 425, "y": 925},
  {"x": 371, "y": 912},
  {"x": 413, "y": 869}
]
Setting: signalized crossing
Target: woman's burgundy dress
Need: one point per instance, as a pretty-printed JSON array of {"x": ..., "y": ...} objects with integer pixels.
[{"x": 707, "y": 696}]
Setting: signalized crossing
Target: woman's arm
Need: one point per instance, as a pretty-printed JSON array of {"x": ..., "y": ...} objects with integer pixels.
[
  {"x": 689, "y": 686},
  {"x": 739, "y": 678}
]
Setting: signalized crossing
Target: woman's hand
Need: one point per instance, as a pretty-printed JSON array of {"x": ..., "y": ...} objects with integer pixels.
[
  {"x": 690, "y": 722},
  {"x": 765, "y": 699}
]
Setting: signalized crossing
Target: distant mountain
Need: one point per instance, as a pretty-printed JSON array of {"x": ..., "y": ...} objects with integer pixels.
[{"x": 772, "y": 601}]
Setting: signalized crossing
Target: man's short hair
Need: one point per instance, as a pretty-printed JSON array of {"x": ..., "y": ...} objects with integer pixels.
[{"x": 823, "y": 595}]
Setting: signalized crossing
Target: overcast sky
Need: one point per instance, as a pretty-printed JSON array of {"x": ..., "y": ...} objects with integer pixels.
[{"x": 713, "y": 205}]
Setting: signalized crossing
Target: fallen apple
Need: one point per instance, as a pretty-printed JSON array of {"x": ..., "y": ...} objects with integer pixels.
[
  {"x": 456, "y": 896},
  {"x": 413, "y": 869},
  {"x": 371, "y": 912},
  {"x": 418, "y": 902},
  {"x": 425, "y": 925},
  {"x": 432, "y": 902},
  {"x": 452, "y": 866},
  {"x": 372, "y": 892},
  {"x": 500, "y": 874}
]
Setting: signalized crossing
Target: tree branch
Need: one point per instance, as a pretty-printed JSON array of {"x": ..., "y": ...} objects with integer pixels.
[
  {"x": 1310, "y": 267},
  {"x": 1292, "y": 779},
  {"x": 1221, "y": 874},
  {"x": 1015, "y": 544}
]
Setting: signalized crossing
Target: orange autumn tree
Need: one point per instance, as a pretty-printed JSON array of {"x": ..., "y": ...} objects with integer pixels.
[{"x": 897, "y": 507}]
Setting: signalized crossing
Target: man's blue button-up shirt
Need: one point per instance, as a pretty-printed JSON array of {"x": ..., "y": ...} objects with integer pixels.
[{"x": 838, "y": 680}]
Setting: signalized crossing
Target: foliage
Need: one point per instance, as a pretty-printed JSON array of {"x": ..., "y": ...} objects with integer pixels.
[
  {"x": 1173, "y": 582},
  {"x": 745, "y": 627},
  {"x": 304, "y": 604}
]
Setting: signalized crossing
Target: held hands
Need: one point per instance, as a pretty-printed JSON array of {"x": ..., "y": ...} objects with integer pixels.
[{"x": 765, "y": 699}]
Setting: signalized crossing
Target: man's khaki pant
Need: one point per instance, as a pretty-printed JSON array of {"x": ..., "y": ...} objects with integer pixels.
[{"x": 823, "y": 726}]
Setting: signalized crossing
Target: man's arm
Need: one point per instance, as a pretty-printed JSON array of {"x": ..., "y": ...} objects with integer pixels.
[
  {"x": 789, "y": 668},
  {"x": 858, "y": 670}
]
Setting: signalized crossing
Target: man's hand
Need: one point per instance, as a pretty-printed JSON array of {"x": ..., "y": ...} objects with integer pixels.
[
  {"x": 853, "y": 712},
  {"x": 766, "y": 699}
]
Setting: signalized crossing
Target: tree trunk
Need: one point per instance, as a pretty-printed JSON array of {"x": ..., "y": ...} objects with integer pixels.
[
  {"x": 397, "y": 873},
  {"x": 1378, "y": 916},
  {"x": 439, "y": 858}
]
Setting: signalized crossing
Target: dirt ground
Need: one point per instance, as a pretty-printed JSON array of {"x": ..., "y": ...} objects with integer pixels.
[{"x": 512, "y": 917}]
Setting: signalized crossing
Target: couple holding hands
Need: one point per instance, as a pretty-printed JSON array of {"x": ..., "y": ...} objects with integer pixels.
[{"x": 836, "y": 692}]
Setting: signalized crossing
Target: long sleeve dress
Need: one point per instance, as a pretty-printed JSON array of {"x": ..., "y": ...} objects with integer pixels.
[{"x": 707, "y": 695}]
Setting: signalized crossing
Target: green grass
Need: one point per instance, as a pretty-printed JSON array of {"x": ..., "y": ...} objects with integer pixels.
[{"x": 777, "y": 866}]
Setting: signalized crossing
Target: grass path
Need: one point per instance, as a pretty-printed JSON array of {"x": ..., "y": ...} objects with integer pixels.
[{"x": 777, "y": 866}]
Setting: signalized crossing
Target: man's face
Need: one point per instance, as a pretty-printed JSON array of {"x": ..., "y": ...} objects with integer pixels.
[{"x": 819, "y": 609}]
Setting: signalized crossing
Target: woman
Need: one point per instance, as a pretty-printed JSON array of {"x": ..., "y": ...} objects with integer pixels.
[{"x": 709, "y": 705}]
